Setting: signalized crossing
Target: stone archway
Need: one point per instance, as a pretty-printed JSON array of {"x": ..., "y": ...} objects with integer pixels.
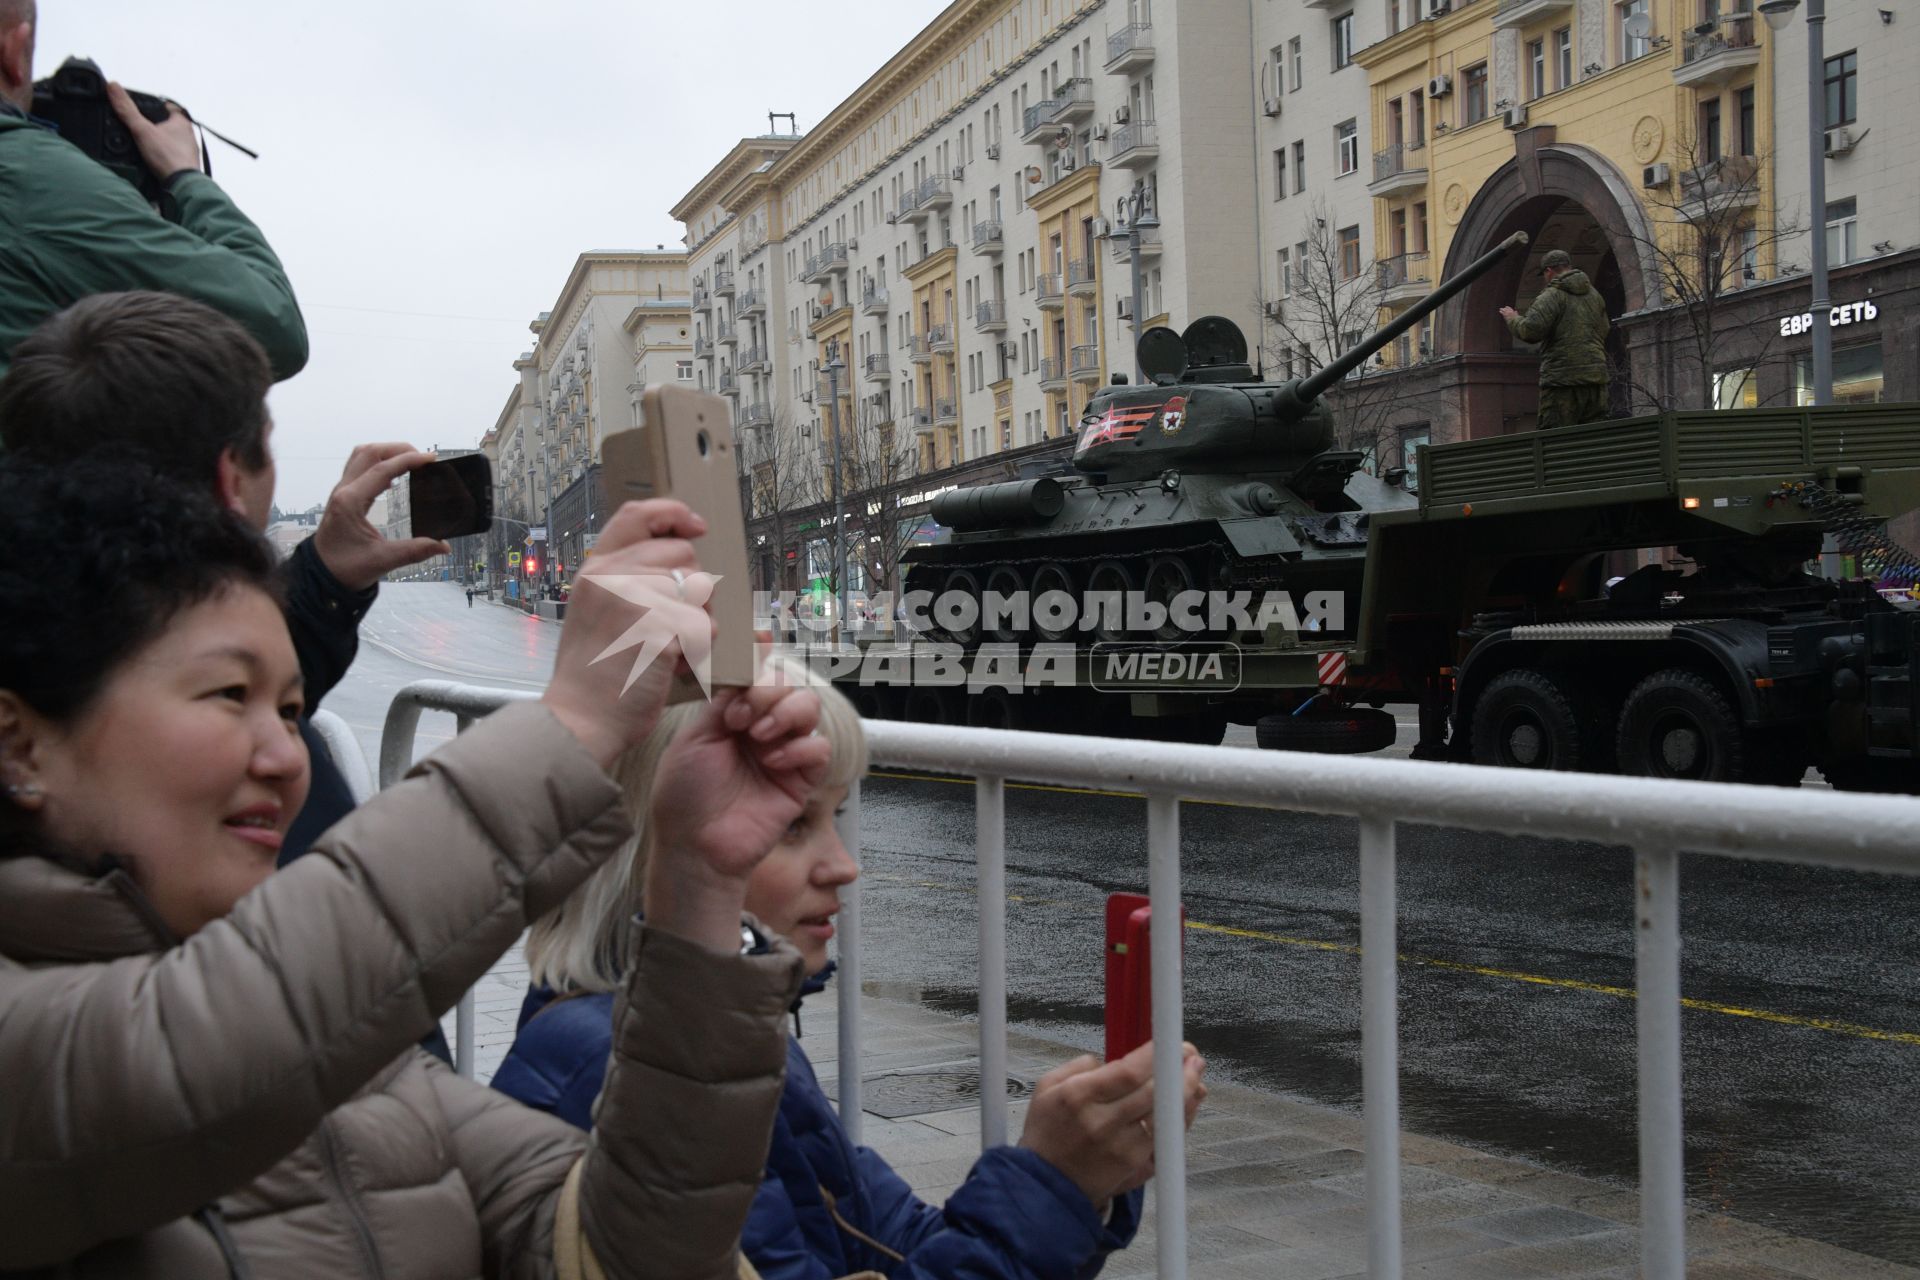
[{"x": 1564, "y": 197}]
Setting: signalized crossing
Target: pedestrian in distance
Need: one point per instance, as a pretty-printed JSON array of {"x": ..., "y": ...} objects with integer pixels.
[
  {"x": 184, "y": 388},
  {"x": 1568, "y": 319},
  {"x": 469, "y": 597},
  {"x": 75, "y": 228},
  {"x": 1051, "y": 1208},
  {"x": 209, "y": 1065}
]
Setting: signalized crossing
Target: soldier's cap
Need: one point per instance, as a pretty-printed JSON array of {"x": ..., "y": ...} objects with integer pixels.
[{"x": 1556, "y": 260}]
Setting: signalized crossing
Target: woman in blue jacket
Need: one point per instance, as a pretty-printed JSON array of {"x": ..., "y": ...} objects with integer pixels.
[{"x": 1051, "y": 1208}]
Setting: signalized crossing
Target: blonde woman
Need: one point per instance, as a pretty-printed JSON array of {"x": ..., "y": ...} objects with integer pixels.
[{"x": 1050, "y": 1209}]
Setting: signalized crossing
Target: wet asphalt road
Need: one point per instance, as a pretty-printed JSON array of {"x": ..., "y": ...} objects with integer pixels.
[{"x": 1802, "y": 1062}]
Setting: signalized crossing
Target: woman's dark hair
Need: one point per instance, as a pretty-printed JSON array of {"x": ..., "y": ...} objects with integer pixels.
[
  {"x": 100, "y": 556},
  {"x": 152, "y": 373}
]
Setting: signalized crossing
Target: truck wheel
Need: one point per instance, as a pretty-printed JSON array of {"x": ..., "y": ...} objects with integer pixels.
[
  {"x": 1351, "y": 731},
  {"x": 1526, "y": 720},
  {"x": 1675, "y": 724}
]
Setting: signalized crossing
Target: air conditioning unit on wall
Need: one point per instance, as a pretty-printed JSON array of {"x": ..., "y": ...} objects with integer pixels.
[
  {"x": 993, "y": 151},
  {"x": 1439, "y": 86},
  {"x": 1124, "y": 308},
  {"x": 1272, "y": 106},
  {"x": 1841, "y": 139},
  {"x": 1516, "y": 117},
  {"x": 1656, "y": 175},
  {"x": 1121, "y": 115}
]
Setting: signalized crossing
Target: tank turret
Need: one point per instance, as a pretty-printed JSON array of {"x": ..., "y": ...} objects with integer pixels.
[{"x": 1220, "y": 417}]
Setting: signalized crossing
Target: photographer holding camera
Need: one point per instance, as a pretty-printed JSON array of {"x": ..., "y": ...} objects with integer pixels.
[{"x": 74, "y": 228}]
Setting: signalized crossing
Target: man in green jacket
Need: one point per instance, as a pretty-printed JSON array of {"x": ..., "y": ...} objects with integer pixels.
[
  {"x": 1569, "y": 321},
  {"x": 72, "y": 228}
]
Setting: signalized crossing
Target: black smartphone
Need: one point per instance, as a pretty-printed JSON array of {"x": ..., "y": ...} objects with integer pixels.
[{"x": 452, "y": 498}]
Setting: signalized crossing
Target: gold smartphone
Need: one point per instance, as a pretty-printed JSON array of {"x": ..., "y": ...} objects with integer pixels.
[{"x": 684, "y": 448}]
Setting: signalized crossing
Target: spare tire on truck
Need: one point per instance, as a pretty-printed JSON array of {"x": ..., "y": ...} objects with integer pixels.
[{"x": 1349, "y": 731}]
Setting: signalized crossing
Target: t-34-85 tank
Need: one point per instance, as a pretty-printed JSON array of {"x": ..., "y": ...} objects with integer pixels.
[{"x": 1203, "y": 480}]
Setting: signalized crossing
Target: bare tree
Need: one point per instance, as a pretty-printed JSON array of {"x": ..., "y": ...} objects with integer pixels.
[
  {"x": 1332, "y": 301},
  {"x": 1713, "y": 235},
  {"x": 777, "y": 466},
  {"x": 876, "y": 459}
]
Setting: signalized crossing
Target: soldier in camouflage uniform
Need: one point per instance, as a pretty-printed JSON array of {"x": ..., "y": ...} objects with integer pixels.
[{"x": 1569, "y": 321}]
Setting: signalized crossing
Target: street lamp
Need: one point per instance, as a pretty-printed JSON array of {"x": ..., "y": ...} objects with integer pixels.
[
  {"x": 1778, "y": 13},
  {"x": 1140, "y": 220}
]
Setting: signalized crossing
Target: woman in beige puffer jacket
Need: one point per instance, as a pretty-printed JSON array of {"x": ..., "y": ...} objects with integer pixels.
[{"x": 208, "y": 1072}]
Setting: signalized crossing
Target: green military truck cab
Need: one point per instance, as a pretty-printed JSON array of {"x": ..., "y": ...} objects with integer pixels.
[{"x": 1491, "y": 602}]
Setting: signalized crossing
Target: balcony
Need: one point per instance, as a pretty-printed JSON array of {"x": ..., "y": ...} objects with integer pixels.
[
  {"x": 1130, "y": 49},
  {"x": 876, "y": 368},
  {"x": 873, "y": 301},
  {"x": 917, "y": 349},
  {"x": 726, "y": 334},
  {"x": 931, "y": 194},
  {"x": 1403, "y": 278},
  {"x": 753, "y": 360},
  {"x": 940, "y": 339},
  {"x": 756, "y": 415},
  {"x": 1050, "y": 291},
  {"x": 1402, "y": 167},
  {"x": 1520, "y": 13},
  {"x": 703, "y": 348},
  {"x": 917, "y": 419},
  {"x": 1134, "y": 146},
  {"x": 909, "y": 201},
  {"x": 946, "y": 412},
  {"x": 990, "y": 317},
  {"x": 1070, "y": 102},
  {"x": 1081, "y": 278},
  {"x": 988, "y": 237},
  {"x": 825, "y": 263},
  {"x": 1717, "y": 53},
  {"x": 723, "y": 284},
  {"x": 728, "y": 385},
  {"x": 702, "y": 299},
  {"x": 751, "y": 302},
  {"x": 1150, "y": 245},
  {"x": 1083, "y": 364},
  {"x": 1053, "y": 373},
  {"x": 1731, "y": 182}
]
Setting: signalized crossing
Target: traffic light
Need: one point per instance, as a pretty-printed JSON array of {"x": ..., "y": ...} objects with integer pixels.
[{"x": 533, "y": 566}]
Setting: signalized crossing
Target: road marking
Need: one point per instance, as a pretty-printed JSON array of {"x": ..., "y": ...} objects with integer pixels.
[{"x": 1833, "y": 1026}]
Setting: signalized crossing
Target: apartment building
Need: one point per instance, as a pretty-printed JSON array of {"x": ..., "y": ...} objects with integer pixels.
[
  {"x": 945, "y": 258},
  {"x": 1663, "y": 144}
]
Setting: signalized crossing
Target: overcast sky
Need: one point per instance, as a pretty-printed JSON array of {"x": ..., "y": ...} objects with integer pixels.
[{"x": 429, "y": 170}]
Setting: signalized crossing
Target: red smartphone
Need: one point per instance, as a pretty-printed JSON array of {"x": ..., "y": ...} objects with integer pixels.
[{"x": 1130, "y": 969}]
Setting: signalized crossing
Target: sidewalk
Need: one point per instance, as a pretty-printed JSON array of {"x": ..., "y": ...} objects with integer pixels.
[{"x": 1276, "y": 1189}]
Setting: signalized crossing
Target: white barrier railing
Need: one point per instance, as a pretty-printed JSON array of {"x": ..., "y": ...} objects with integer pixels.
[{"x": 1659, "y": 819}]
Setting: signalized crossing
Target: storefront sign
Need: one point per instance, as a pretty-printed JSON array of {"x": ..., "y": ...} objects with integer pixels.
[{"x": 1849, "y": 313}]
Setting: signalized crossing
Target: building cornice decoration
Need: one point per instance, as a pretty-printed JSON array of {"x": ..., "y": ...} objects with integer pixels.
[
  {"x": 932, "y": 267},
  {"x": 1066, "y": 192}
]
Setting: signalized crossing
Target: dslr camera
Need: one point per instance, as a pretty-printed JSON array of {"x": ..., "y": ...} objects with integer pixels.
[{"x": 74, "y": 101}]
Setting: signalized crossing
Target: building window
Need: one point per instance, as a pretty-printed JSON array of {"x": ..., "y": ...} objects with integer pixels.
[
  {"x": 1342, "y": 40},
  {"x": 1843, "y": 88},
  {"x": 1858, "y": 377},
  {"x": 683, "y": 370},
  {"x": 1747, "y": 139},
  {"x": 1349, "y": 252},
  {"x": 1708, "y": 150},
  {"x": 1299, "y": 167},
  {"x": 1749, "y": 255},
  {"x": 1419, "y": 244},
  {"x": 1473, "y": 105},
  {"x": 1280, "y": 174},
  {"x": 1297, "y": 63},
  {"x": 1283, "y": 278},
  {"x": 1536, "y": 68},
  {"x": 1419, "y": 117},
  {"x": 1563, "y": 57},
  {"x": 1632, "y": 46},
  {"x": 1410, "y": 441},
  {"x": 1843, "y": 225},
  {"x": 1735, "y": 389},
  {"x": 1346, "y": 145}
]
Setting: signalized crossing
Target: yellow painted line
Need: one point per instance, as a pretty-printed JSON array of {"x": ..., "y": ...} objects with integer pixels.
[{"x": 1832, "y": 1026}]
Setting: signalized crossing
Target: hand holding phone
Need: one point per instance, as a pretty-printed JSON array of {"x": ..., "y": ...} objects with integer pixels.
[
  {"x": 1129, "y": 971},
  {"x": 353, "y": 551}
]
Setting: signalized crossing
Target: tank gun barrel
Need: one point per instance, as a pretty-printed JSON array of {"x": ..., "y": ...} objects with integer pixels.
[{"x": 1307, "y": 390}]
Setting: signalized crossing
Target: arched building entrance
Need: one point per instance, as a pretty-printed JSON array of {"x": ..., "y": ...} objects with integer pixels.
[{"x": 1564, "y": 197}]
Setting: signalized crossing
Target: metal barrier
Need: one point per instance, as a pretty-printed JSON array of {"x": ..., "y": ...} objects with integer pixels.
[{"x": 1658, "y": 819}]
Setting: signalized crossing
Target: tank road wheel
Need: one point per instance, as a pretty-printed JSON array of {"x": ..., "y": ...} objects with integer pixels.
[
  {"x": 999, "y": 709},
  {"x": 923, "y": 578},
  {"x": 1676, "y": 724},
  {"x": 1350, "y": 731},
  {"x": 1525, "y": 720},
  {"x": 1004, "y": 580},
  {"x": 1167, "y": 577},
  {"x": 1111, "y": 577},
  {"x": 932, "y": 705},
  {"x": 1050, "y": 577},
  {"x": 959, "y": 583}
]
